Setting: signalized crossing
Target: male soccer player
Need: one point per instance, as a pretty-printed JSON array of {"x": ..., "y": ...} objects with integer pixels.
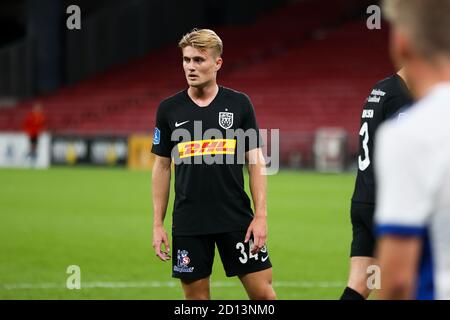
[
  {"x": 385, "y": 100},
  {"x": 413, "y": 158},
  {"x": 211, "y": 207}
]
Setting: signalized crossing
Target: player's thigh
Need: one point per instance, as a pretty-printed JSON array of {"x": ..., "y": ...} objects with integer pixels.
[
  {"x": 236, "y": 256},
  {"x": 363, "y": 238},
  {"x": 192, "y": 257}
]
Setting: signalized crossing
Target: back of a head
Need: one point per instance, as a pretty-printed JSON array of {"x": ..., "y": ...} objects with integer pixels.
[
  {"x": 202, "y": 39},
  {"x": 427, "y": 23}
]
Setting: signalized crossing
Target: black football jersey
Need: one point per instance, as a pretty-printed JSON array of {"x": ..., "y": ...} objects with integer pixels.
[
  {"x": 209, "y": 195},
  {"x": 389, "y": 97}
]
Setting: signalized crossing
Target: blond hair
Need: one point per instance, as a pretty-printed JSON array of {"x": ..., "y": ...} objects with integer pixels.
[
  {"x": 202, "y": 39},
  {"x": 427, "y": 23}
]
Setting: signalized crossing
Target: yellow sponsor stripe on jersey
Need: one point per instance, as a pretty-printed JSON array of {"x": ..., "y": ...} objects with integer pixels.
[{"x": 202, "y": 147}]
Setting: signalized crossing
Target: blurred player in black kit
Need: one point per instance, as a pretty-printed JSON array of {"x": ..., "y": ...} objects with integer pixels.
[{"x": 388, "y": 98}]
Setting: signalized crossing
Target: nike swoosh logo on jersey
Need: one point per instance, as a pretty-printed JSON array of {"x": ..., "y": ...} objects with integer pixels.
[
  {"x": 265, "y": 258},
  {"x": 180, "y": 124}
]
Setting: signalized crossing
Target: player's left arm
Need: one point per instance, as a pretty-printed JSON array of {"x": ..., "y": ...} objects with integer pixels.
[
  {"x": 258, "y": 187},
  {"x": 398, "y": 260}
]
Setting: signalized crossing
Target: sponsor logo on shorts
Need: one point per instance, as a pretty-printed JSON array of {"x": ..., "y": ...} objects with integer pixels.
[
  {"x": 183, "y": 261},
  {"x": 203, "y": 147},
  {"x": 264, "y": 250}
]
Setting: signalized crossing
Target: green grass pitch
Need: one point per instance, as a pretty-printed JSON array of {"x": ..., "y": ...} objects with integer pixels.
[{"x": 100, "y": 220}]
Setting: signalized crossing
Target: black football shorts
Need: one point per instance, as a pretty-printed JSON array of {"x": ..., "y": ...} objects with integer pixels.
[
  {"x": 363, "y": 243},
  {"x": 193, "y": 256}
]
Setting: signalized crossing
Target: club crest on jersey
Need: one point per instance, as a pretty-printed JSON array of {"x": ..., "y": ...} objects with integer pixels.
[
  {"x": 226, "y": 120},
  {"x": 183, "y": 261}
]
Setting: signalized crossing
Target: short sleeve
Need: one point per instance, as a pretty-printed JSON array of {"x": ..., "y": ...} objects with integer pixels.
[
  {"x": 162, "y": 144},
  {"x": 404, "y": 187},
  {"x": 249, "y": 124}
]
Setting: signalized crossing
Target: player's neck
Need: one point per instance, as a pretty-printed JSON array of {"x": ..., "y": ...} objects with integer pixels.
[
  {"x": 203, "y": 95},
  {"x": 402, "y": 74},
  {"x": 429, "y": 78}
]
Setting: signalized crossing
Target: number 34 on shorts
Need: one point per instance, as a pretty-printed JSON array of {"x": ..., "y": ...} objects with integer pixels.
[
  {"x": 196, "y": 255},
  {"x": 246, "y": 252}
]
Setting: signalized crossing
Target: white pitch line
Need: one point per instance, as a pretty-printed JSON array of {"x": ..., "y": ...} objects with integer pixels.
[{"x": 167, "y": 284}]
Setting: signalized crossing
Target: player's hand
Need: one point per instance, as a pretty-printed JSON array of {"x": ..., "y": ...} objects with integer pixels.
[
  {"x": 258, "y": 228},
  {"x": 160, "y": 238}
]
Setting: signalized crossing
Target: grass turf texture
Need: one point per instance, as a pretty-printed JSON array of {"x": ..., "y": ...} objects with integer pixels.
[{"x": 100, "y": 220}]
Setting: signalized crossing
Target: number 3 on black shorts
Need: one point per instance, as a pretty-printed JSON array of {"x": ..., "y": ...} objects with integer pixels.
[{"x": 244, "y": 257}]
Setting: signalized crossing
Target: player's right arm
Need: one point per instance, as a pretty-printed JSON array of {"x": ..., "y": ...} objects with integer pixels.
[
  {"x": 161, "y": 148},
  {"x": 398, "y": 258},
  {"x": 160, "y": 192},
  {"x": 404, "y": 205}
]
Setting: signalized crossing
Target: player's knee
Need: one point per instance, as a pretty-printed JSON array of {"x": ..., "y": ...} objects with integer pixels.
[
  {"x": 271, "y": 295},
  {"x": 196, "y": 290},
  {"x": 196, "y": 295},
  {"x": 266, "y": 294}
]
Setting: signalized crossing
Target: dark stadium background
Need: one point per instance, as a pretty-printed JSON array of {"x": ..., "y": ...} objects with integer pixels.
[
  {"x": 308, "y": 67},
  {"x": 306, "y": 64}
]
